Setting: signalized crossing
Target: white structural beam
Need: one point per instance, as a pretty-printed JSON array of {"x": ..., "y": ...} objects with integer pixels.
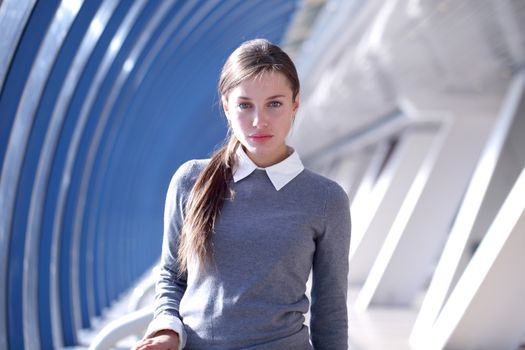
[
  {"x": 416, "y": 237},
  {"x": 373, "y": 169},
  {"x": 456, "y": 252},
  {"x": 486, "y": 309},
  {"x": 134, "y": 323},
  {"x": 351, "y": 173},
  {"x": 373, "y": 214}
]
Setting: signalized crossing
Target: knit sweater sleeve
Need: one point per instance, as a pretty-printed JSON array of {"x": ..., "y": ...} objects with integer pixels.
[
  {"x": 170, "y": 287},
  {"x": 329, "y": 318}
]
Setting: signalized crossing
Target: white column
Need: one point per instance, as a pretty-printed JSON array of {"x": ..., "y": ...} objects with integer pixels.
[
  {"x": 455, "y": 253},
  {"x": 373, "y": 214},
  {"x": 419, "y": 231},
  {"x": 486, "y": 309},
  {"x": 369, "y": 178}
]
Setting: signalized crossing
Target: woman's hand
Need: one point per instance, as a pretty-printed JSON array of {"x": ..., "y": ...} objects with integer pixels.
[{"x": 162, "y": 340}]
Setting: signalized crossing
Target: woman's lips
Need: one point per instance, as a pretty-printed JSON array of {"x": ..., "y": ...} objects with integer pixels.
[{"x": 260, "y": 137}]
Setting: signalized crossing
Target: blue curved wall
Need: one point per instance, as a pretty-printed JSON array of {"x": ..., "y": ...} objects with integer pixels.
[{"x": 100, "y": 102}]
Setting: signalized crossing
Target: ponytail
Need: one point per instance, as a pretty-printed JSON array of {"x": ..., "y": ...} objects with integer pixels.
[{"x": 204, "y": 205}]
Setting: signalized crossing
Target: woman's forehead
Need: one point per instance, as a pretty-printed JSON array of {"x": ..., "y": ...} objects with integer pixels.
[{"x": 267, "y": 83}]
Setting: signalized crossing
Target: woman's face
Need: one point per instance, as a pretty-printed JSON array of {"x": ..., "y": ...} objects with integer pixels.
[{"x": 261, "y": 112}]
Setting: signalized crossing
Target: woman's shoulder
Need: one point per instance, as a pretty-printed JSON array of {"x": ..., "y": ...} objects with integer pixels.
[
  {"x": 331, "y": 194},
  {"x": 187, "y": 172},
  {"x": 192, "y": 167},
  {"x": 322, "y": 183}
]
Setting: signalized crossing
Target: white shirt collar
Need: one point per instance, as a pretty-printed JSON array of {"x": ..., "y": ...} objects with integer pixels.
[{"x": 280, "y": 173}]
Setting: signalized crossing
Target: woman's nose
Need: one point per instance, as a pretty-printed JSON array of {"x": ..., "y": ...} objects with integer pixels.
[{"x": 259, "y": 120}]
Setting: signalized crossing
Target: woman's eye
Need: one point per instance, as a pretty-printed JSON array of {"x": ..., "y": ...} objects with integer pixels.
[
  {"x": 275, "y": 104},
  {"x": 244, "y": 105}
]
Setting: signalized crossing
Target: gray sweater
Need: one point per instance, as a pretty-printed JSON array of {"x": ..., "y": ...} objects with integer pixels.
[{"x": 265, "y": 244}]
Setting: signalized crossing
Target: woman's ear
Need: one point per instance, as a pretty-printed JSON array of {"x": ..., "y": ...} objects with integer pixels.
[
  {"x": 296, "y": 104},
  {"x": 224, "y": 101}
]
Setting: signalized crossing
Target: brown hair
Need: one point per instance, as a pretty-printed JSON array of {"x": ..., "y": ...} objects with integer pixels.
[{"x": 249, "y": 60}]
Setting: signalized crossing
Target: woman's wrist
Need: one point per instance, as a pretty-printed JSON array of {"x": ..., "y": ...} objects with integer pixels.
[{"x": 168, "y": 332}]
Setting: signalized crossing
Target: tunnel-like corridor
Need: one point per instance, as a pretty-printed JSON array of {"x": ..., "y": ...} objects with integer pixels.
[{"x": 416, "y": 107}]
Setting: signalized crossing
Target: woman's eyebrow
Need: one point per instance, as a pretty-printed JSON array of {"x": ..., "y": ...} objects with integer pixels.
[
  {"x": 275, "y": 96},
  {"x": 268, "y": 98}
]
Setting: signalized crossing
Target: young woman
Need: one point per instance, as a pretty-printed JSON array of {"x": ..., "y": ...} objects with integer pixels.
[{"x": 244, "y": 229}]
